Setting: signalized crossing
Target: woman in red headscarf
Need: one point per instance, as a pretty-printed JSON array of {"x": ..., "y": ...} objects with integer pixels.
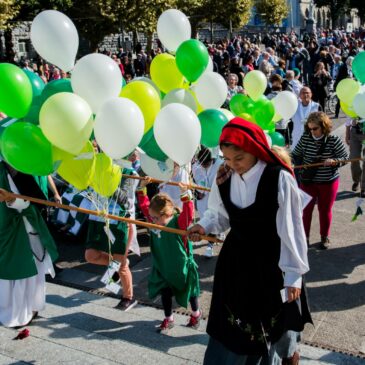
[{"x": 264, "y": 255}]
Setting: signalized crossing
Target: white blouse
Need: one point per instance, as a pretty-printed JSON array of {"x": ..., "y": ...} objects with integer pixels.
[{"x": 293, "y": 253}]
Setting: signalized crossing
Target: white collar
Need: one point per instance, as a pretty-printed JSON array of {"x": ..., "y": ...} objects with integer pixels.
[{"x": 254, "y": 170}]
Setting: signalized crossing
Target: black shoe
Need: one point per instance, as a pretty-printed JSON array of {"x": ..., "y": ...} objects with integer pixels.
[
  {"x": 362, "y": 194},
  {"x": 355, "y": 186},
  {"x": 325, "y": 243},
  {"x": 126, "y": 304}
]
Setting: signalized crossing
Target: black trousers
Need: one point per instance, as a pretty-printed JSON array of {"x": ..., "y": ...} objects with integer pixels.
[{"x": 166, "y": 297}]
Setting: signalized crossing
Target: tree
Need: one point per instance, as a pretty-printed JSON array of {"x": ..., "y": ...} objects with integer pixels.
[
  {"x": 337, "y": 8},
  {"x": 192, "y": 9},
  {"x": 272, "y": 11},
  {"x": 8, "y": 11},
  {"x": 136, "y": 15},
  {"x": 359, "y": 5}
]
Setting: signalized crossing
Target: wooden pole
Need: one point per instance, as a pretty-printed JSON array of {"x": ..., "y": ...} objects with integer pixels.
[
  {"x": 322, "y": 163},
  {"x": 110, "y": 216},
  {"x": 152, "y": 180},
  {"x": 198, "y": 187}
]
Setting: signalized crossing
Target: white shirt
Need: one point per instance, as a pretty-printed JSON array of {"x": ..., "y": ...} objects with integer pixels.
[
  {"x": 300, "y": 118},
  {"x": 174, "y": 191},
  {"x": 293, "y": 253},
  {"x": 205, "y": 177}
]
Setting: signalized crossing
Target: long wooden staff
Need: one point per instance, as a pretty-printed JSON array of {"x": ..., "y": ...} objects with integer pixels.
[
  {"x": 189, "y": 186},
  {"x": 322, "y": 163},
  {"x": 110, "y": 216}
]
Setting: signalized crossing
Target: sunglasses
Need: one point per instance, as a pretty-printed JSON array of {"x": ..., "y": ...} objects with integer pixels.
[{"x": 313, "y": 129}]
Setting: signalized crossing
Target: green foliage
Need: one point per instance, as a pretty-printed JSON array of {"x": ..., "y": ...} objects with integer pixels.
[
  {"x": 220, "y": 11},
  {"x": 8, "y": 11},
  {"x": 272, "y": 11}
]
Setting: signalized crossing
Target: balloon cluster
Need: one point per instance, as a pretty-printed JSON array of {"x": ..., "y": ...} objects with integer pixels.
[
  {"x": 351, "y": 92},
  {"x": 50, "y": 126},
  {"x": 256, "y": 108}
]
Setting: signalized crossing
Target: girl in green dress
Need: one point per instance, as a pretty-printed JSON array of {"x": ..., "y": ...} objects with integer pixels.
[{"x": 174, "y": 271}]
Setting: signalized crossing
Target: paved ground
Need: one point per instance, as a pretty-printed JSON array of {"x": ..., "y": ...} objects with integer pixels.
[
  {"x": 335, "y": 284},
  {"x": 84, "y": 328}
]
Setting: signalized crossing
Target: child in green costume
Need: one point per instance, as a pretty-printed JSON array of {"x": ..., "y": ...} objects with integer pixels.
[{"x": 174, "y": 271}]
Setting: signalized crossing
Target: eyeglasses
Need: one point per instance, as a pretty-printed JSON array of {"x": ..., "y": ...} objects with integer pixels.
[{"x": 313, "y": 129}]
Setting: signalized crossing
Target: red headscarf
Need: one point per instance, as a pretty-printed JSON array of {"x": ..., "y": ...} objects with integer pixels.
[{"x": 250, "y": 138}]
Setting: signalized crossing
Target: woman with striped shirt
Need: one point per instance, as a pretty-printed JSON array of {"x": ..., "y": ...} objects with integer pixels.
[{"x": 318, "y": 145}]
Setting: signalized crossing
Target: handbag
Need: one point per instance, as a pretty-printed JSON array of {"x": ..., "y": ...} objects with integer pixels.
[{"x": 307, "y": 174}]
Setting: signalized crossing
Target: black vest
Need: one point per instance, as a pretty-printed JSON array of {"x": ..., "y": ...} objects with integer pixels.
[{"x": 247, "y": 312}]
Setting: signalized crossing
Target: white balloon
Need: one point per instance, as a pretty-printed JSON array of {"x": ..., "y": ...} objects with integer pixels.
[
  {"x": 119, "y": 127},
  {"x": 286, "y": 104},
  {"x": 149, "y": 81},
  {"x": 211, "y": 90},
  {"x": 55, "y": 38},
  {"x": 227, "y": 113},
  {"x": 156, "y": 169},
  {"x": 210, "y": 66},
  {"x": 173, "y": 28},
  {"x": 96, "y": 78},
  {"x": 177, "y": 132},
  {"x": 359, "y": 105},
  {"x": 180, "y": 96}
]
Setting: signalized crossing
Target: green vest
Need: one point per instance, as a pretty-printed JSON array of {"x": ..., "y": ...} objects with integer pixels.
[
  {"x": 42, "y": 182},
  {"x": 16, "y": 257},
  {"x": 172, "y": 266}
]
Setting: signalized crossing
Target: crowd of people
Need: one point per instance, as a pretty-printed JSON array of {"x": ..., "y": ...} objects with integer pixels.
[{"x": 257, "y": 299}]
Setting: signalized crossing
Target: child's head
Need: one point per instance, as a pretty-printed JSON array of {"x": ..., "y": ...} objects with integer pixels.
[
  {"x": 236, "y": 158},
  {"x": 204, "y": 157},
  {"x": 161, "y": 209},
  {"x": 282, "y": 153},
  {"x": 243, "y": 143}
]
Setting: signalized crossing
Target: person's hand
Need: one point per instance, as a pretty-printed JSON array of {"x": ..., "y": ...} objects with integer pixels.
[
  {"x": 57, "y": 198},
  {"x": 183, "y": 188},
  {"x": 145, "y": 181},
  {"x": 293, "y": 293},
  {"x": 195, "y": 232},
  {"x": 347, "y": 140},
  {"x": 329, "y": 162},
  {"x": 6, "y": 197}
]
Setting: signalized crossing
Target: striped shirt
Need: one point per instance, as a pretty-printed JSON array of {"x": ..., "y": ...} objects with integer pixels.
[{"x": 306, "y": 151}]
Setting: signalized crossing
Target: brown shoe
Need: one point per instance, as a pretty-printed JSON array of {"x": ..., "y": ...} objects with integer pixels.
[
  {"x": 325, "y": 243},
  {"x": 294, "y": 360}
]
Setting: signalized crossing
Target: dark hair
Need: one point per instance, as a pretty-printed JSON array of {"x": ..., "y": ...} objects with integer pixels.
[{"x": 204, "y": 156}]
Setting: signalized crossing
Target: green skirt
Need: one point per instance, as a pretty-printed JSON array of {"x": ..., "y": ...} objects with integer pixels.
[{"x": 98, "y": 239}]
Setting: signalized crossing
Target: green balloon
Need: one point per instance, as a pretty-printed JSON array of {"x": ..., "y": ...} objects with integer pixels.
[
  {"x": 33, "y": 114},
  {"x": 240, "y": 104},
  {"x": 263, "y": 112},
  {"x": 15, "y": 91},
  {"x": 192, "y": 59},
  {"x": 358, "y": 67},
  {"x": 150, "y": 146},
  {"x": 24, "y": 147},
  {"x": 277, "y": 139},
  {"x": 4, "y": 123},
  {"x": 36, "y": 82},
  {"x": 212, "y": 122},
  {"x": 55, "y": 87}
]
